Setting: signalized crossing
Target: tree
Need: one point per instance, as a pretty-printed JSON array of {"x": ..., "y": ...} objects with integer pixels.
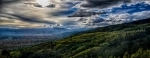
[{"x": 126, "y": 55}]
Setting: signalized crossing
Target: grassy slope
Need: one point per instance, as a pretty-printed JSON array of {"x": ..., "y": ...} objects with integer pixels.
[{"x": 102, "y": 42}]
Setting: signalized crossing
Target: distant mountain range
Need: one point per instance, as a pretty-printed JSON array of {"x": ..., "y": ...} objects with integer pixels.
[
  {"x": 56, "y": 32},
  {"x": 31, "y": 31}
]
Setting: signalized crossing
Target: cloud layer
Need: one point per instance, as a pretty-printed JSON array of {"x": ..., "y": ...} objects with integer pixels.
[
  {"x": 103, "y": 3},
  {"x": 14, "y": 13}
]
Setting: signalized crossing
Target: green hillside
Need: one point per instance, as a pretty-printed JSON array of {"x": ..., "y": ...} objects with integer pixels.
[{"x": 130, "y": 40}]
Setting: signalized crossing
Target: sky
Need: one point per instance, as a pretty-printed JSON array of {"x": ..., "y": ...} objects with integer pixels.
[{"x": 16, "y": 14}]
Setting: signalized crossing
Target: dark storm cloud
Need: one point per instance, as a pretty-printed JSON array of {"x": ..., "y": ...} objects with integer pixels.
[
  {"x": 2, "y": 2},
  {"x": 7, "y": 1},
  {"x": 32, "y": 19},
  {"x": 102, "y": 3},
  {"x": 6, "y": 16},
  {"x": 98, "y": 20}
]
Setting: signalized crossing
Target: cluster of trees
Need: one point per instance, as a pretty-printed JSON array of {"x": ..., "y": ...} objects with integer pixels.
[
  {"x": 130, "y": 40},
  {"x": 139, "y": 54},
  {"x": 8, "y": 54}
]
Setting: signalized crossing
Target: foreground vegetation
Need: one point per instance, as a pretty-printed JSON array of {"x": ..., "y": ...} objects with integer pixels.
[{"x": 130, "y": 40}]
